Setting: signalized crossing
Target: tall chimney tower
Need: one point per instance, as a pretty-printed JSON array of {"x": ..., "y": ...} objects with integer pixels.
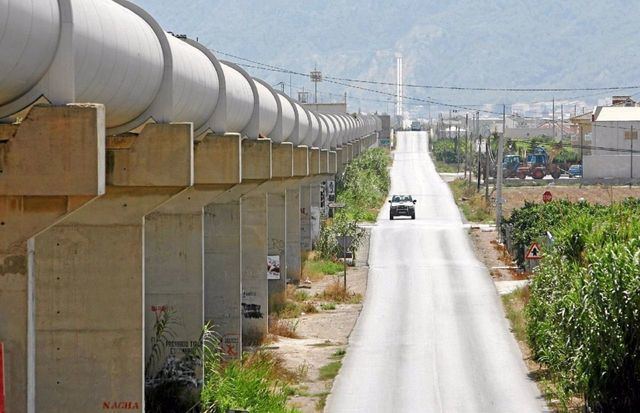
[{"x": 399, "y": 81}]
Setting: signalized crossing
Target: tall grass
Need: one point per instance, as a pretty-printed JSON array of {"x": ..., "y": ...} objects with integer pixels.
[
  {"x": 473, "y": 204},
  {"x": 257, "y": 383}
]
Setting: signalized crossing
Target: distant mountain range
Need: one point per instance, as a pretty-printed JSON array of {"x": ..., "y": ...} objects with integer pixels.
[{"x": 471, "y": 43}]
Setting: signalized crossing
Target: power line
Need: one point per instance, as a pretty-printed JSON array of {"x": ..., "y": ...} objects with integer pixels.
[
  {"x": 428, "y": 100},
  {"x": 460, "y": 88},
  {"x": 487, "y": 89}
]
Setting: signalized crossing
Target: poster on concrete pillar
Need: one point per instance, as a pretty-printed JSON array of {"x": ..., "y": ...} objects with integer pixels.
[
  {"x": 273, "y": 267},
  {"x": 331, "y": 190}
]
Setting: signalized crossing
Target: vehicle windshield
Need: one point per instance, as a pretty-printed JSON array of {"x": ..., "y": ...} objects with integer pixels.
[{"x": 401, "y": 198}]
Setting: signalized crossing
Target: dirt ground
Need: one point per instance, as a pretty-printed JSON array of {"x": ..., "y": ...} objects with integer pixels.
[
  {"x": 484, "y": 239},
  {"x": 322, "y": 334}
]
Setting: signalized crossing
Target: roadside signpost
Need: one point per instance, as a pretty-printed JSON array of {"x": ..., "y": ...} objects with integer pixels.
[
  {"x": 534, "y": 252},
  {"x": 2, "y": 410},
  {"x": 547, "y": 197},
  {"x": 345, "y": 243}
]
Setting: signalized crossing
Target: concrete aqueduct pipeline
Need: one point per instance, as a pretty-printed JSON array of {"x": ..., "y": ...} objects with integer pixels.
[
  {"x": 141, "y": 176},
  {"x": 113, "y": 52}
]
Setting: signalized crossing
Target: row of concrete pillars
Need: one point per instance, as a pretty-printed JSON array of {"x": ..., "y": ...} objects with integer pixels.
[{"x": 102, "y": 236}]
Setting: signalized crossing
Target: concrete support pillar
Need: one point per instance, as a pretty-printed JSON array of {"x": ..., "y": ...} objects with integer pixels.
[
  {"x": 349, "y": 151},
  {"x": 175, "y": 248},
  {"x": 333, "y": 163},
  {"x": 301, "y": 162},
  {"x": 314, "y": 161},
  {"x": 293, "y": 246},
  {"x": 257, "y": 166},
  {"x": 324, "y": 161},
  {"x": 277, "y": 241},
  {"x": 316, "y": 211},
  {"x": 340, "y": 161},
  {"x": 305, "y": 218},
  {"x": 255, "y": 291},
  {"x": 174, "y": 283},
  {"x": 50, "y": 165},
  {"x": 283, "y": 169},
  {"x": 89, "y": 278},
  {"x": 231, "y": 256},
  {"x": 223, "y": 273}
]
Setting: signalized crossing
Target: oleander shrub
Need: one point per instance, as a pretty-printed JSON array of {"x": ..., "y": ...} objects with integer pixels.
[
  {"x": 584, "y": 308},
  {"x": 362, "y": 188},
  {"x": 364, "y": 185}
]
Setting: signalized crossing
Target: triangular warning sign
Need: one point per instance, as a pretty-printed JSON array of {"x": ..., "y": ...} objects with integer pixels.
[{"x": 534, "y": 252}]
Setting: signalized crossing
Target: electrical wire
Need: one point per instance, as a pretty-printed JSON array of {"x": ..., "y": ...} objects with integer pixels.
[{"x": 411, "y": 85}]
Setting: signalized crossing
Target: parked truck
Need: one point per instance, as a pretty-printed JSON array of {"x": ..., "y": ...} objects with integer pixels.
[{"x": 539, "y": 164}]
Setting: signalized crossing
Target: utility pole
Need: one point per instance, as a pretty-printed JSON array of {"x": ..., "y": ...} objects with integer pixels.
[
  {"x": 479, "y": 149},
  {"x": 631, "y": 159},
  {"x": 499, "y": 173},
  {"x": 486, "y": 168},
  {"x": 553, "y": 114},
  {"x": 457, "y": 149},
  {"x": 449, "y": 125},
  {"x": 582, "y": 147},
  {"x": 466, "y": 146},
  {"x": 316, "y": 77},
  {"x": 561, "y": 122}
]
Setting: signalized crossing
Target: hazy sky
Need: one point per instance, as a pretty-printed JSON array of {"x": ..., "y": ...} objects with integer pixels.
[{"x": 506, "y": 43}]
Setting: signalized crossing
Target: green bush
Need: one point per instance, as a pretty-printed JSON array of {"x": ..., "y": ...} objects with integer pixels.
[
  {"x": 327, "y": 243},
  {"x": 363, "y": 189},
  {"x": 364, "y": 185},
  {"x": 584, "y": 308}
]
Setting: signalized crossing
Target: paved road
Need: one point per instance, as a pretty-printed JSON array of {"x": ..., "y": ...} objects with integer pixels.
[{"x": 432, "y": 336}]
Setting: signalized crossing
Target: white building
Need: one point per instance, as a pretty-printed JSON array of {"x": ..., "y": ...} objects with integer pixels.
[{"x": 613, "y": 137}]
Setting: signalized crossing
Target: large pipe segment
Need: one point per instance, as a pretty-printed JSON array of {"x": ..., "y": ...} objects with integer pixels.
[
  {"x": 333, "y": 132},
  {"x": 303, "y": 124},
  {"x": 242, "y": 101},
  {"x": 60, "y": 50},
  {"x": 330, "y": 131},
  {"x": 315, "y": 129},
  {"x": 270, "y": 110},
  {"x": 342, "y": 126},
  {"x": 327, "y": 131},
  {"x": 289, "y": 117},
  {"x": 352, "y": 129},
  {"x": 337, "y": 131},
  {"x": 345, "y": 129}
]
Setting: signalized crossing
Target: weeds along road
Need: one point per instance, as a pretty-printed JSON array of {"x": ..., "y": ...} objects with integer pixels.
[{"x": 432, "y": 336}]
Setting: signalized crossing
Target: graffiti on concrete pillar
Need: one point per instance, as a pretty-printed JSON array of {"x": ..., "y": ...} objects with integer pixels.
[
  {"x": 276, "y": 244},
  {"x": 120, "y": 405},
  {"x": 231, "y": 345},
  {"x": 251, "y": 310}
]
